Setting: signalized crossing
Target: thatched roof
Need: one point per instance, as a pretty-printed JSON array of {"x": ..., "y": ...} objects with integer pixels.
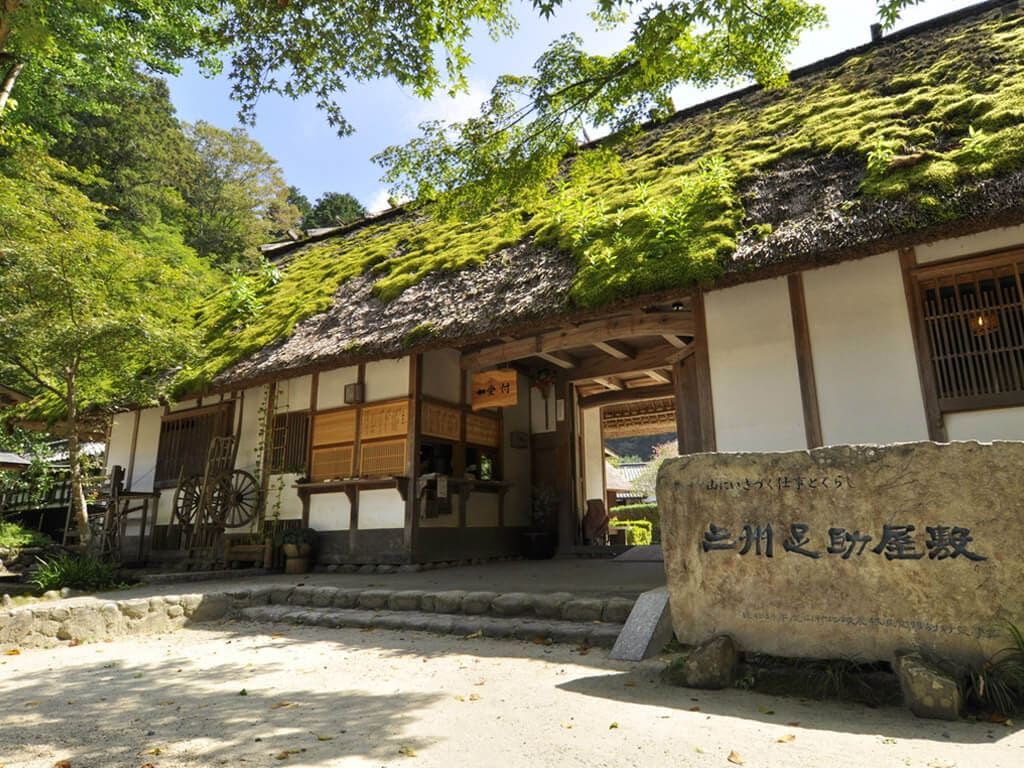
[{"x": 916, "y": 137}]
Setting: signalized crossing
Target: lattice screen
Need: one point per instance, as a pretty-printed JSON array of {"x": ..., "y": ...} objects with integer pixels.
[{"x": 975, "y": 325}]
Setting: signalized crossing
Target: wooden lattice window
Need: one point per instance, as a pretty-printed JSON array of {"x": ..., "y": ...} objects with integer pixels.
[
  {"x": 185, "y": 440},
  {"x": 973, "y": 315},
  {"x": 289, "y": 442}
]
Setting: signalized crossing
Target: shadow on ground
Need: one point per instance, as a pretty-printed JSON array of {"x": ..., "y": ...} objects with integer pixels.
[{"x": 897, "y": 723}]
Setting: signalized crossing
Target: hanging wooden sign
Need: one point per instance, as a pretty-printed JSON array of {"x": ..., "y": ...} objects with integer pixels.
[{"x": 494, "y": 389}]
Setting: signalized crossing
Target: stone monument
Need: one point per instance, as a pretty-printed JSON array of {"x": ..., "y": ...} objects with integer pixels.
[{"x": 848, "y": 551}]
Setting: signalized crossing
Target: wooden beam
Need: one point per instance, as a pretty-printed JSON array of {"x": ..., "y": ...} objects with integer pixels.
[
  {"x": 586, "y": 334},
  {"x": 627, "y": 396},
  {"x": 805, "y": 361},
  {"x": 681, "y": 354},
  {"x": 609, "y": 382},
  {"x": 617, "y": 349},
  {"x": 703, "y": 376},
  {"x": 922, "y": 346},
  {"x": 559, "y": 359},
  {"x": 674, "y": 340},
  {"x": 644, "y": 361},
  {"x": 658, "y": 376}
]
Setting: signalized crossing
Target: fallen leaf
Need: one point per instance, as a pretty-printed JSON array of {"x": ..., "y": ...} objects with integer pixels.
[
  {"x": 460, "y": 698},
  {"x": 794, "y": 724},
  {"x": 31, "y": 703},
  {"x": 698, "y": 750},
  {"x": 888, "y": 740},
  {"x": 75, "y": 641},
  {"x": 583, "y": 650},
  {"x": 285, "y": 754},
  {"x": 567, "y": 726},
  {"x": 283, "y": 704},
  {"x": 694, "y": 709},
  {"x": 473, "y": 635},
  {"x": 144, "y": 765},
  {"x": 629, "y": 684},
  {"x": 479, "y": 682},
  {"x": 366, "y": 629},
  {"x": 407, "y": 751},
  {"x": 62, "y": 764},
  {"x": 786, "y": 738},
  {"x": 155, "y": 751},
  {"x": 243, "y": 692},
  {"x": 613, "y": 726},
  {"x": 542, "y": 641},
  {"x": 734, "y": 758},
  {"x": 165, "y": 703},
  {"x": 766, "y": 710},
  {"x": 323, "y": 738},
  {"x": 12, "y": 652},
  {"x": 276, "y": 634},
  {"x": 474, "y": 697}
]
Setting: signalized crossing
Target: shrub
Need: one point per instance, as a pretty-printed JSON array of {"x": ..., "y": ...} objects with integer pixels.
[
  {"x": 640, "y": 512},
  {"x": 638, "y": 532},
  {"x": 14, "y": 536},
  {"x": 999, "y": 683},
  {"x": 76, "y": 572}
]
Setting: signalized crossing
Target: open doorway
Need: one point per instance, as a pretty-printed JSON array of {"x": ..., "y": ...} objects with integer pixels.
[{"x": 621, "y": 446}]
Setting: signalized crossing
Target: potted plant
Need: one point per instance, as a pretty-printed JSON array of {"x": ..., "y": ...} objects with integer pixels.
[
  {"x": 538, "y": 541},
  {"x": 297, "y": 545}
]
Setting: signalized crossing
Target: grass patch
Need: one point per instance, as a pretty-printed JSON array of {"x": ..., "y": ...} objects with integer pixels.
[
  {"x": 15, "y": 536},
  {"x": 82, "y": 572}
]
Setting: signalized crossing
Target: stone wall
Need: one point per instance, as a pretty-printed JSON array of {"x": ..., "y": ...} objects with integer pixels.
[{"x": 848, "y": 551}]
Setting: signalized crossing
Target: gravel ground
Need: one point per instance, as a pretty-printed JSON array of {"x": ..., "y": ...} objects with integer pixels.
[{"x": 246, "y": 695}]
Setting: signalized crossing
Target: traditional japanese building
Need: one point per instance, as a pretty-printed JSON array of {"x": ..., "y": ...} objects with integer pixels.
[{"x": 834, "y": 262}]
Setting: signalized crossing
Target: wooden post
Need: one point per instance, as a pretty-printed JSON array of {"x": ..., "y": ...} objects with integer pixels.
[
  {"x": 805, "y": 361},
  {"x": 413, "y": 459},
  {"x": 929, "y": 388}
]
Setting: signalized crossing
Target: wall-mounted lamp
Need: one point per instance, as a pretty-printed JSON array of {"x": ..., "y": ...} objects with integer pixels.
[{"x": 354, "y": 393}]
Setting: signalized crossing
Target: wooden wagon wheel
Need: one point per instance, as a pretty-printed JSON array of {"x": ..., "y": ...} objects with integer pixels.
[
  {"x": 186, "y": 500},
  {"x": 236, "y": 498}
]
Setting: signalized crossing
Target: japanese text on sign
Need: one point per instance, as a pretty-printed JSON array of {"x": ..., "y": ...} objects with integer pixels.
[{"x": 896, "y": 542}]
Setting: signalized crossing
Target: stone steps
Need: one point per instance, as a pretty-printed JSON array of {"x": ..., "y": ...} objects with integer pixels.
[
  {"x": 559, "y": 617},
  {"x": 599, "y": 634}
]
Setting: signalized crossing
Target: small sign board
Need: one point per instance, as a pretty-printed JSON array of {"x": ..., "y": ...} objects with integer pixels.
[{"x": 494, "y": 389}]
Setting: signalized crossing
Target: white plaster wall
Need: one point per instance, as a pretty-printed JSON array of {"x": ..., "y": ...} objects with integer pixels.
[
  {"x": 442, "y": 375},
  {"x": 331, "y": 387},
  {"x": 990, "y": 240},
  {"x": 330, "y": 512},
  {"x": 516, "y": 418},
  {"x": 282, "y": 499},
  {"x": 381, "y": 509},
  {"x": 1000, "y": 424},
  {"x": 119, "y": 446},
  {"x": 593, "y": 455},
  {"x": 249, "y": 441},
  {"x": 481, "y": 511},
  {"x": 864, "y": 360},
  {"x": 385, "y": 380},
  {"x": 539, "y": 407},
  {"x": 144, "y": 471},
  {"x": 754, "y": 380},
  {"x": 293, "y": 394}
]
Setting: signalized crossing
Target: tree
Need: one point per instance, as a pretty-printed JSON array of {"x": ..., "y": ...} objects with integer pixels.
[
  {"x": 333, "y": 209},
  {"x": 86, "y": 318},
  {"x": 301, "y": 202},
  {"x": 237, "y": 195}
]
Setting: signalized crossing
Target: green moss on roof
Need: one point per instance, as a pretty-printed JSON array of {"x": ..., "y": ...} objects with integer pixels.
[{"x": 927, "y": 114}]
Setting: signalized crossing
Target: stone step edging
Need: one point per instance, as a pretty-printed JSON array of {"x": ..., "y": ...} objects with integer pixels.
[
  {"x": 89, "y": 619},
  {"x": 597, "y": 634}
]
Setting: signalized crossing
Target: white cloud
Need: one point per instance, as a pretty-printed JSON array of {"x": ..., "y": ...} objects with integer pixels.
[
  {"x": 379, "y": 202},
  {"x": 451, "y": 110}
]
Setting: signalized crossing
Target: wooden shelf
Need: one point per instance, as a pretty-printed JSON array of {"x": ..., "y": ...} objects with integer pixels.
[
  {"x": 352, "y": 485},
  {"x": 463, "y": 486}
]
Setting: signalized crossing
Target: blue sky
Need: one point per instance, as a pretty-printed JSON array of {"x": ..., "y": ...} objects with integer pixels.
[{"x": 317, "y": 160}]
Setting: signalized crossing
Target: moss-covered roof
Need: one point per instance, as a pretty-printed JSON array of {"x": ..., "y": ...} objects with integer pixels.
[{"x": 914, "y": 137}]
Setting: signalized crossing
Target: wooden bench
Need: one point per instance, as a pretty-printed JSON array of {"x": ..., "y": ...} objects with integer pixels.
[{"x": 261, "y": 555}]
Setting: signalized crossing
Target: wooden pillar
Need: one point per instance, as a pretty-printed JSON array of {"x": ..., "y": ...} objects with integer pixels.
[
  {"x": 413, "y": 459},
  {"x": 565, "y": 431},
  {"x": 805, "y": 361},
  {"x": 702, "y": 374},
  {"x": 926, "y": 375},
  {"x": 353, "y": 498}
]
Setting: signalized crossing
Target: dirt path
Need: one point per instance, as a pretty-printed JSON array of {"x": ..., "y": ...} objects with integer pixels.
[{"x": 242, "y": 695}]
